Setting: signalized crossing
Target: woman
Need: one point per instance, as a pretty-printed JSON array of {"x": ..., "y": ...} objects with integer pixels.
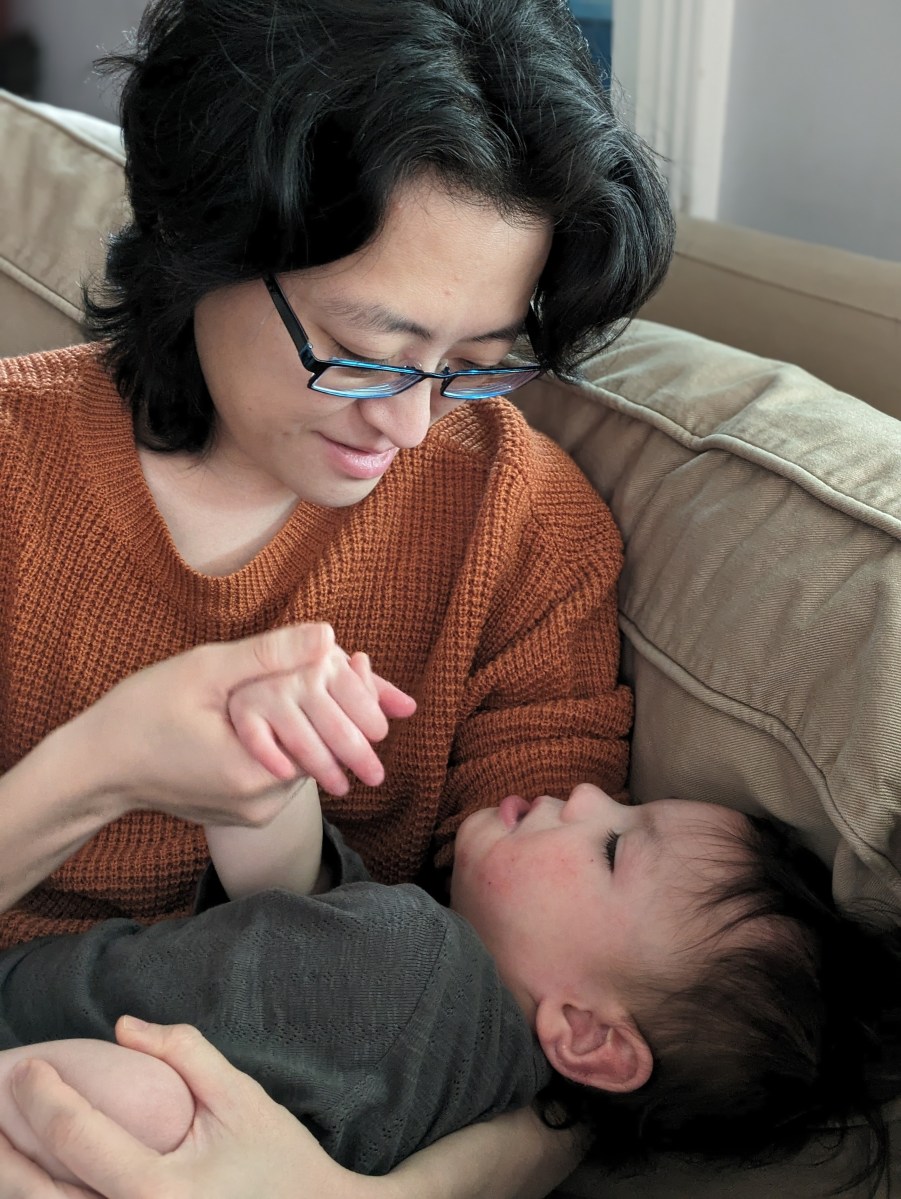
[{"x": 351, "y": 220}]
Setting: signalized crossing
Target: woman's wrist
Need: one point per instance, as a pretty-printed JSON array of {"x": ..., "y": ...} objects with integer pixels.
[
  {"x": 56, "y": 798},
  {"x": 83, "y": 754}
]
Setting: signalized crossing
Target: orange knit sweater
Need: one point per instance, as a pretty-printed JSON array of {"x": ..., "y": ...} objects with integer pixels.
[{"x": 480, "y": 575}]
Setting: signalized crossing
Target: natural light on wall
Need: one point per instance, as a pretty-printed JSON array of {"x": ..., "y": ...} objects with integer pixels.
[{"x": 671, "y": 61}]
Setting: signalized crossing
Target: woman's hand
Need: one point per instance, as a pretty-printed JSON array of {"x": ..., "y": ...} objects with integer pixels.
[
  {"x": 163, "y": 738},
  {"x": 242, "y": 1144}
]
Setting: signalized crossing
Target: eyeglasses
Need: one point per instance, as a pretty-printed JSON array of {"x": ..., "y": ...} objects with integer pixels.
[{"x": 370, "y": 380}]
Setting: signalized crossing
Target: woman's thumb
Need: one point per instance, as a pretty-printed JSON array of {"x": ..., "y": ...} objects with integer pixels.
[{"x": 279, "y": 651}]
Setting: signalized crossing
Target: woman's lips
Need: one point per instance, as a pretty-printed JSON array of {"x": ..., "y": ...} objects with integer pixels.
[
  {"x": 511, "y": 810},
  {"x": 358, "y": 464}
]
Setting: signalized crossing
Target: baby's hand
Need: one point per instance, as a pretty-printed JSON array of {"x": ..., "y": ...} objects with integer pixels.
[{"x": 320, "y": 719}]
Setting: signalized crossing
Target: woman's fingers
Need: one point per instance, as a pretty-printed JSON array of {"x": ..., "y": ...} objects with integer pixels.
[
  {"x": 22, "y": 1179},
  {"x": 215, "y": 1083},
  {"x": 241, "y": 1143},
  {"x": 289, "y": 648},
  {"x": 93, "y": 1147}
]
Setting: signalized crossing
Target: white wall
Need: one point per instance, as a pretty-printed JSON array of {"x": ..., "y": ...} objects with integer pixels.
[
  {"x": 812, "y": 138},
  {"x": 812, "y": 145},
  {"x": 72, "y": 33}
]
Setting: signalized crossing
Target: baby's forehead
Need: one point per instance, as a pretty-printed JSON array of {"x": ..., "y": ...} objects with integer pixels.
[
  {"x": 709, "y": 850},
  {"x": 691, "y": 829},
  {"x": 683, "y": 812}
]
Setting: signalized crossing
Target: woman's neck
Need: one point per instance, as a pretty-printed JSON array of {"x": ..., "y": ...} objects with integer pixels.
[{"x": 219, "y": 520}]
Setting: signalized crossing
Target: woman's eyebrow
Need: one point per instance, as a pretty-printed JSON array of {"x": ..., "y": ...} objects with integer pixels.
[{"x": 380, "y": 319}]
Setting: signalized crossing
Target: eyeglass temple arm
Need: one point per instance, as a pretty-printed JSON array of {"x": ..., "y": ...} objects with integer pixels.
[
  {"x": 286, "y": 312},
  {"x": 533, "y": 331}
]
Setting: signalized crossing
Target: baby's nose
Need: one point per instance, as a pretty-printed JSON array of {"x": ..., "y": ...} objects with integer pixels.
[{"x": 586, "y": 798}]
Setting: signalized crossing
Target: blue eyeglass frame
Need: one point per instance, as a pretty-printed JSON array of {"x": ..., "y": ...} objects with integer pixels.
[{"x": 317, "y": 366}]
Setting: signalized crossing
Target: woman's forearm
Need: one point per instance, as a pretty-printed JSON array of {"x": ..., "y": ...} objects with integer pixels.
[
  {"x": 513, "y": 1156},
  {"x": 51, "y": 802}
]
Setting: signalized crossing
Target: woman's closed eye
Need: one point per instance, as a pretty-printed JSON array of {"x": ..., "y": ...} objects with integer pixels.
[
  {"x": 461, "y": 364},
  {"x": 339, "y": 351},
  {"x": 610, "y": 848}
]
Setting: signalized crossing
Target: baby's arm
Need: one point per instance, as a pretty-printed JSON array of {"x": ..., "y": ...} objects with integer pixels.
[
  {"x": 141, "y": 1093},
  {"x": 312, "y": 724},
  {"x": 286, "y": 853}
]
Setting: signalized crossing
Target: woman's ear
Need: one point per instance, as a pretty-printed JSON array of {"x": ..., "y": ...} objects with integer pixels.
[{"x": 597, "y": 1049}]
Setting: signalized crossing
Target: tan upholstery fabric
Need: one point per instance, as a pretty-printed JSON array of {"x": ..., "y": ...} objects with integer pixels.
[
  {"x": 61, "y": 191},
  {"x": 836, "y": 314},
  {"x": 761, "y": 612}
]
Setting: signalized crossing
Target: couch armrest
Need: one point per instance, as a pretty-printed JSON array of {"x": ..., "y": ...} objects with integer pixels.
[{"x": 834, "y": 313}]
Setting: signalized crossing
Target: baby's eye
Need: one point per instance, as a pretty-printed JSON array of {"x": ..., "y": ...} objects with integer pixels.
[{"x": 610, "y": 848}]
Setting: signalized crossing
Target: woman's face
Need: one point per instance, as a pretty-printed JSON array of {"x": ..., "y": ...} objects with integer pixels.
[{"x": 447, "y": 280}]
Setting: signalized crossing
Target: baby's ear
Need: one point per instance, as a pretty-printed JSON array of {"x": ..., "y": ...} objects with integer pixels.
[{"x": 596, "y": 1049}]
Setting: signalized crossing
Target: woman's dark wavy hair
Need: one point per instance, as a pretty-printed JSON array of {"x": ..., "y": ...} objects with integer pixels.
[
  {"x": 789, "y": 1036},
  {"x": 268, "y": 135}
]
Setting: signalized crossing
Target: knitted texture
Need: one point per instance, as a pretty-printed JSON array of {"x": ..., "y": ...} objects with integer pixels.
[{"x": 480, "y": 575}]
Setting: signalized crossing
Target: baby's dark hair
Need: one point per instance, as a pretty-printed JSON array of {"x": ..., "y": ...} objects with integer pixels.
[
  {"x": 264, "y": 137},
  {"x": 789, "y": 1034}
]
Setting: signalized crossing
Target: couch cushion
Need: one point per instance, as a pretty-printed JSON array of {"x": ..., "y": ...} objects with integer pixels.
[
  {"x": 760, "y": 608},
  {"x": 61, "y": 191}
]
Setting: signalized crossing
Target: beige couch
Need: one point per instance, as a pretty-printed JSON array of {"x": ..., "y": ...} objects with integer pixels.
[{"x": 761, "y": 600}]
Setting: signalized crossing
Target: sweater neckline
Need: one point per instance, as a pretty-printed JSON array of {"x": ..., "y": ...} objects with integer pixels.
[{"x": 114, "y": 468}]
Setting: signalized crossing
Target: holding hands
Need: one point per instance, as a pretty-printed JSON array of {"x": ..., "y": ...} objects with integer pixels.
[{"x": 222, "y": 733}]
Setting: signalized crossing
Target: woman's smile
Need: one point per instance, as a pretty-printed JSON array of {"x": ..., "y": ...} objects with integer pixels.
[{"x": 357, "y": 463}]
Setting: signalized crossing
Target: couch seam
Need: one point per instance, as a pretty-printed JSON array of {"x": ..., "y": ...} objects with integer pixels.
[
  {"x": 778, "y": 286},
  {"x": 766, "y": 722},
  {"x": 60, "y": 303},
  {"x": 738, "y": 447}
]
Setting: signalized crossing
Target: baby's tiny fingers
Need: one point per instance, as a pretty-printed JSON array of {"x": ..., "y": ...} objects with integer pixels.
[
  {"x": 346, "y": 738},
  {"x": 359, "y": 703},
  {"x": 362, "y": 668},
  {"x": 394, "y": 703},
  {"x": 315, "y": 755},
  {"x": 258, "y": 739}
]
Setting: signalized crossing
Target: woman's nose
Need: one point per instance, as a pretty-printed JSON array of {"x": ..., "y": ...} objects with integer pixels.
[{"x": 404, "y": 419}]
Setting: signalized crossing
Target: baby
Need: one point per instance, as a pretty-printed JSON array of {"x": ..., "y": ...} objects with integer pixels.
[{"x": 650, "y": 973}]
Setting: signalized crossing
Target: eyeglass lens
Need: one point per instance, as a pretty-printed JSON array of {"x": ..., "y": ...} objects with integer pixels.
[{"x": 361, "y": 380}]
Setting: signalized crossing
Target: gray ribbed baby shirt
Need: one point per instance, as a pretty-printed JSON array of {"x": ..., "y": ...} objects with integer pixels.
[{"x": 372, "y": 1013}]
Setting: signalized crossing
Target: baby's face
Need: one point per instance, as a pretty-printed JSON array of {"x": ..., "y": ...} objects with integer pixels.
[{"x": 584, "y": 890}]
